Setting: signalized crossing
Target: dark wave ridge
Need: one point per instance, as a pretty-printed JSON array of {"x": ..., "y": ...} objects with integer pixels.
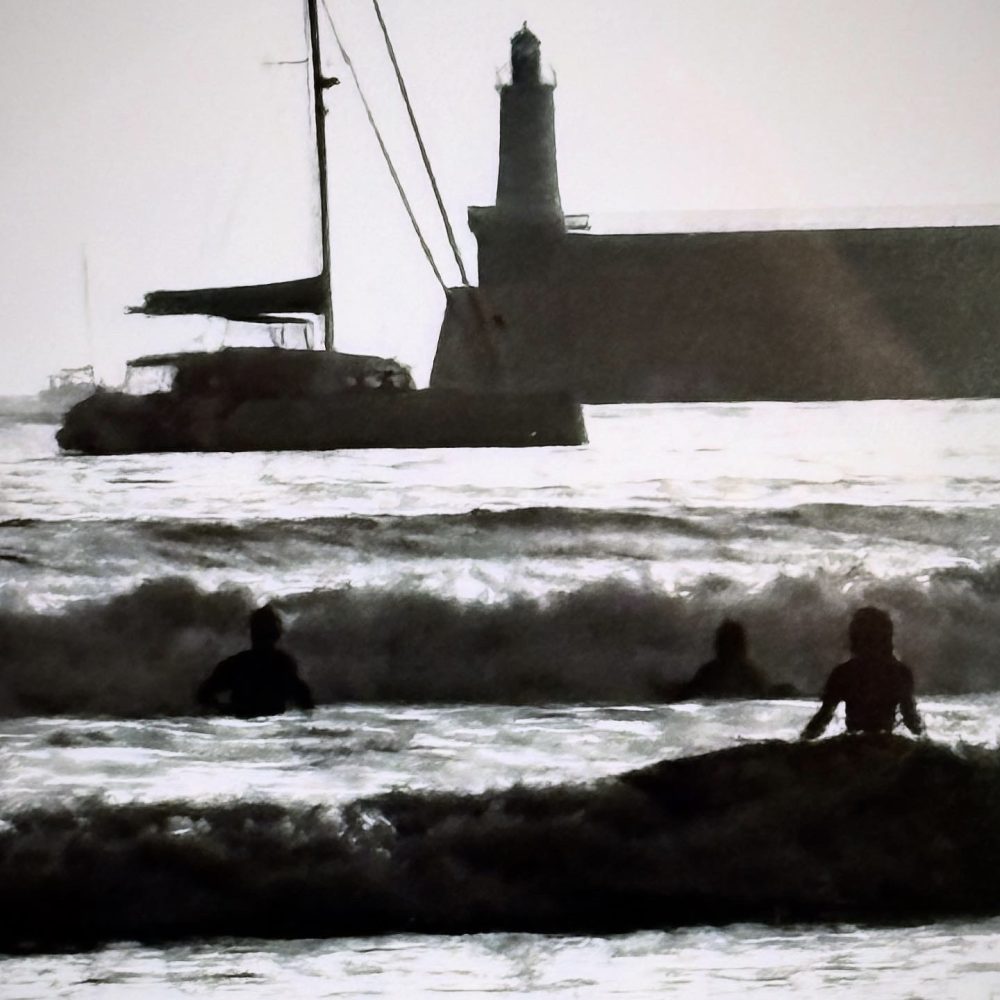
[
  {"x": 912, "y": 522},
  {"x": 852, "y": 828},
  {"x": 142, "y": 653}
]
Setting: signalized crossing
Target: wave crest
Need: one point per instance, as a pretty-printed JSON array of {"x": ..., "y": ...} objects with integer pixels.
[
  {"x": 142, "y": 653},
  {"x": 849, "y": 828}
]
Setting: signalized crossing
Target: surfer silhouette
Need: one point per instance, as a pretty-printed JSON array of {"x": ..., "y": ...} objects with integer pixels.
[
  {"x": 873, "y": 684},
  {"x": 261, "y": 680},
  {"x": 731, "y": 674}
]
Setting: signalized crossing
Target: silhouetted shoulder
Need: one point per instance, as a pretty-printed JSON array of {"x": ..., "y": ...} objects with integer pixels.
[
  {"x": 840, "y": 681},
  {"x": 716, "y": 679},
  {"x": 233, "y": 663},
  {"x": 845, "y": 677},
  {"x": 222, "y": 677},
  {"x": 281, "y": 660},
  {"x": 904, "y": 677}
]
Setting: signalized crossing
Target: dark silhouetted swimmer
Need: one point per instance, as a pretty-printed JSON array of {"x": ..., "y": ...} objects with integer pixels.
[
  {"x": 873, "y": 684},
  {"x": 262, "y": 680},
  {"x": 731, "y": 674}
]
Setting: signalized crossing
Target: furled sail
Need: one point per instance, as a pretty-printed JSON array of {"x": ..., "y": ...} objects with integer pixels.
[{"x": 242, "y": 303}]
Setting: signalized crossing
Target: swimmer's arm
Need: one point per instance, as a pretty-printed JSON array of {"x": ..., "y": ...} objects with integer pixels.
[
  {"x": 821, "y": 719},
  {"x": 908, "y": 709},
  {"x": 832, "y": 697}
]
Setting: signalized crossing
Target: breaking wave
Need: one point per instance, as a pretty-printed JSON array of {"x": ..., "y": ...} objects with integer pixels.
[
  {"x": 142, "y": 653},
  {"x": 524, "y": 551},
  {"x": 853, "y": 828},
  {"x": 483, "y": 532}
]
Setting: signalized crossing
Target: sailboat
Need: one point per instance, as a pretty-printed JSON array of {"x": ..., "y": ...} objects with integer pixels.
[{"x": 276, "y": 398}]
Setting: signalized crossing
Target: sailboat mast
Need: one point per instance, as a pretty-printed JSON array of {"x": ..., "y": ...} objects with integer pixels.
[{"x": 320, "y": 84}]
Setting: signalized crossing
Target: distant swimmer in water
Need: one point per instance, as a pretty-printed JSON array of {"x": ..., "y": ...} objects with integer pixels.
[
  {"x": 731, "y": 674},
  {"x": 873, "y": 684},
  {"x": 262, "y": 680}
]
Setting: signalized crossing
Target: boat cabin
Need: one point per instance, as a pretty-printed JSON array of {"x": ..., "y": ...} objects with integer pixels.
[{"x": 264, "y": 373}]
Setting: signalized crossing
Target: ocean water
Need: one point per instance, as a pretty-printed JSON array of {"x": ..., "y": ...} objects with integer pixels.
[{"x": 473, "y": 620}]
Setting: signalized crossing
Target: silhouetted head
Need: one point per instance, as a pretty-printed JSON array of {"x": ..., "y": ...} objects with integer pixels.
[
  {"x": 265, "y": 626},
  {"x": 870, "y": 633},
  {"x": 730, "y": 641}
]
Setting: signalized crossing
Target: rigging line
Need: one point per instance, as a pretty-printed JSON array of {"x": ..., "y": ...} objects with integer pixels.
[
  {"x": 385, "y": 152},
  {"x": 420, "y": 143}
]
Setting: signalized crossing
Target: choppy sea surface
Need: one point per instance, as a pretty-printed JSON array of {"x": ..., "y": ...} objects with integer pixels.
[{"x": 475, "y": 619}]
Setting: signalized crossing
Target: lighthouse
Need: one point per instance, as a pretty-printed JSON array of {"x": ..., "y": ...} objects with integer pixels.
[
  {"x": 518, "y": 231},
  {"x": 528, "y": 181},
  {"x": 707, "y": 316}
]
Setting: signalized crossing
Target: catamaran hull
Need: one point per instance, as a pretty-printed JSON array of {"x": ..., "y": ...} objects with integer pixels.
[{"x": 117, "y": 423}]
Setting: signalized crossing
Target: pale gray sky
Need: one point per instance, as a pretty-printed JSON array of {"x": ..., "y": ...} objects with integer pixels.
[{"x": 157, "y": 135}]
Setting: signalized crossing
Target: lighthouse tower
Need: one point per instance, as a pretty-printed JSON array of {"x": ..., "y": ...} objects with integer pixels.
[
  {"x": 528, "y": 183},
  {"x": 486, "y": 340},
  {"x": 528, "y": 213}
]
